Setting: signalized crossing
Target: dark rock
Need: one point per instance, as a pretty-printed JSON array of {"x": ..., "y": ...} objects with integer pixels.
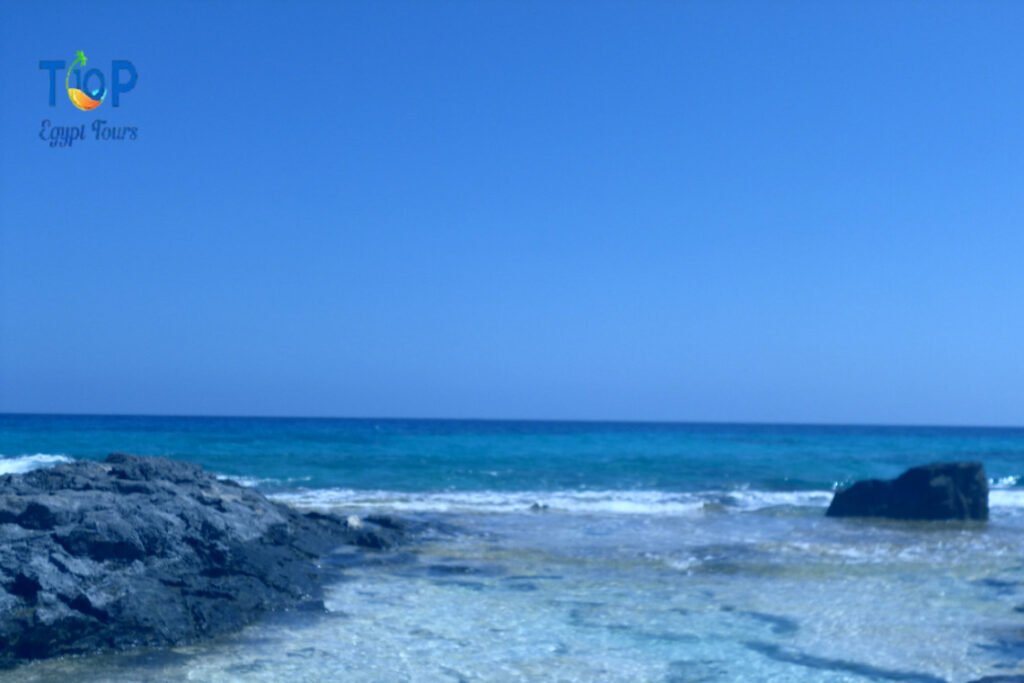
[
  {"x": 152, "y": 552},
  {"x": 940, "y": 491}
]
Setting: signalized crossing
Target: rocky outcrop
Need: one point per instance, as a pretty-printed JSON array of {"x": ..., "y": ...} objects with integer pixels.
[
  {"x": 938, "y": 491},
  {"x": 145, "y": 551}
]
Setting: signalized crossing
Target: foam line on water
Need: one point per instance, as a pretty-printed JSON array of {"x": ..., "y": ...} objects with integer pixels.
[
  {"x": 582, "y": 502},
  {"x": 1006, "y": 498},
  {"x": 254, "y": 482},
  {"x": 19, "y": 464},
  {"x": 1004, "y": 493}
]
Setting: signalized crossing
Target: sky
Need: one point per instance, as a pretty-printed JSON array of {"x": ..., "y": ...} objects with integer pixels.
[{"x": 706, "y": 211}]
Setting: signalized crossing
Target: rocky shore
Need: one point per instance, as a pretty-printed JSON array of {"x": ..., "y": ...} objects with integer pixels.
[{"x": 136, "y": 551}]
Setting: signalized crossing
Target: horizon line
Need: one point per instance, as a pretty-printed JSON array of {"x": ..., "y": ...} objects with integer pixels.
[{"x": 680, "y": 422}]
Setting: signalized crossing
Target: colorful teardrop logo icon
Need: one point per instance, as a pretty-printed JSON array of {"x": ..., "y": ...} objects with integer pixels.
[{"x": 81, "y": 98}]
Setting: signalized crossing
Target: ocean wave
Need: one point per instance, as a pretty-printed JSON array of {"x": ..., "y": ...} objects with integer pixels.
[
  {"x": 580, "y": 502},
  {"x": 1005, "y": 493},
  {"x": 253, "y": 482},
  {"x": 19, "y": 464},
  {"x": 759, "y": 500},
  {"x": 1006, "y": 498},
  {"x": 249, "y": 482}
]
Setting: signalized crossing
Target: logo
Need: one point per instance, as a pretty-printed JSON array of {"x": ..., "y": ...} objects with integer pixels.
[
  {"x": 90, "y": 86},
  {"x": 80, "y": 98},
  {"x": 87, "y": 89}
]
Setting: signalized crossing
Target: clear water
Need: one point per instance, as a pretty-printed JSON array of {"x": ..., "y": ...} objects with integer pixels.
[{"x": 661, "y": 553}]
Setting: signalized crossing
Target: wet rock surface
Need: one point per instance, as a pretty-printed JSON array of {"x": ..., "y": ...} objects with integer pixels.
[
  {"x": 137, "y": 551},
  {"x": 940, "y": 491}
]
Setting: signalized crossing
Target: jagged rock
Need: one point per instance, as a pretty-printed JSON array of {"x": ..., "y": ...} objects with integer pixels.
[
  {"x": 940, "y": 491},
  {"x": 146, "y": 551}
]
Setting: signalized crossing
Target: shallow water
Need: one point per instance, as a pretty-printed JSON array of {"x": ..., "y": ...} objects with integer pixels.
[
  {"x": 776, "y": 594},
  {"x": 710, "y": 560}
]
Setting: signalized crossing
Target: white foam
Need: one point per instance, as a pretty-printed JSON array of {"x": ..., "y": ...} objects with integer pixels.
[
  {"x": 1006, "y": 498},
  {"x": 19, "y": 464},
  {"x": 253, "y": 482},
  {"x": 1003, "y": 482},
  {"x": 581, "y": 502},
  {"x": 249, "y": 482},
  {"x": 758, "y": 500},
  {"x": 619, "y": 502},
  {"x": 576, "y": 502}
]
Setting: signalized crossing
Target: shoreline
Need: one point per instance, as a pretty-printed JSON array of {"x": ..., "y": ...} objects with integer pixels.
[{"x": 625, "y": 555}]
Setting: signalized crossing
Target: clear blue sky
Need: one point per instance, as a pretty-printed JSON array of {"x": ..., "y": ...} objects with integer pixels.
[{"x": 777, "y": 211}]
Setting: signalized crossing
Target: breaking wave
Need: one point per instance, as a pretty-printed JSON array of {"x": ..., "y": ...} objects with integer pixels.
[
  {"x": 580, "y": 502},
  {"x": 19, "y": 464}
]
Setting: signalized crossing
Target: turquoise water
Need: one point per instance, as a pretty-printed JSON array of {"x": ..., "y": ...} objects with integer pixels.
[
  {"x": 436, "y": 455},
  {"x": 659, "y": 552}
]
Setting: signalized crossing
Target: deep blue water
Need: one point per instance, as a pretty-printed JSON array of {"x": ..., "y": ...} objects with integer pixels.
[{"x": 454, "y": 455}]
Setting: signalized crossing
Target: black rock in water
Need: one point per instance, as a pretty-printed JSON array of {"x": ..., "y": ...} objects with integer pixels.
[
  {"x": 151, "y": 552},
  {"x": 940, "y": 491}
]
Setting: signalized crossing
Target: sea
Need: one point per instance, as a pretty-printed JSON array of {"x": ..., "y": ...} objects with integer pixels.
[{"x": 594, "y": 551}]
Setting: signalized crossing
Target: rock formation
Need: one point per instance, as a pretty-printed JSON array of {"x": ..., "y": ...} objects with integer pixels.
[
  {"x": 145, "y": 551},
  {"x": 931, "y": 492}
]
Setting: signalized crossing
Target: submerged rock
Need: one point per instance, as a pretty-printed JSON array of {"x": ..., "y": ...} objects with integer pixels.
[
  {"x": 151, "y": 552},
  {"x": 940, "y": 491}
]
